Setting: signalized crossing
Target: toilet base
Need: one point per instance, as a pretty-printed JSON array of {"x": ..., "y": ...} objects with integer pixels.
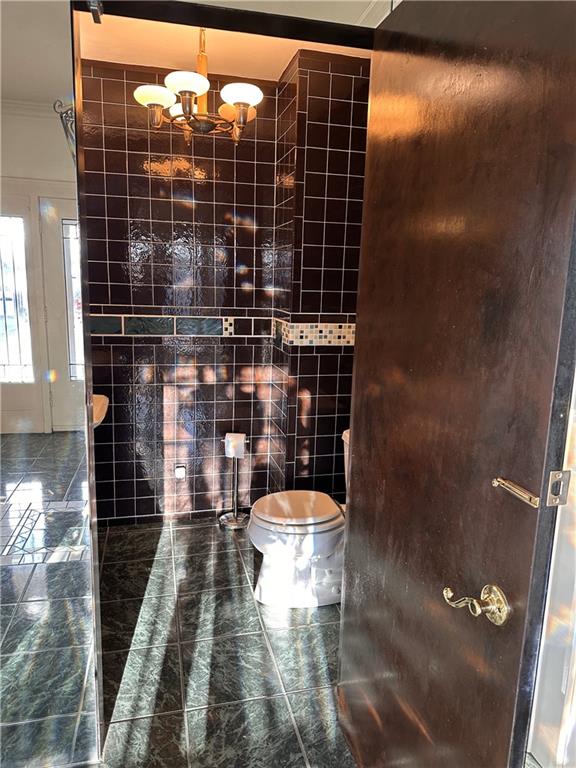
[{"x": 300, "y": 582}]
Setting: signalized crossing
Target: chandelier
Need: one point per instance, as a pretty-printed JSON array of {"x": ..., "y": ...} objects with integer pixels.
[{"x": 183, "y": 102}]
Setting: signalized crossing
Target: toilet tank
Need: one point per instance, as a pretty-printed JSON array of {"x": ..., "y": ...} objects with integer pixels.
[{"x": 346, "y": 441}]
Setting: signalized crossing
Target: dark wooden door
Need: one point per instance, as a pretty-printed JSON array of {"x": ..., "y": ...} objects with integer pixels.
[{"x": 468, "y": 228}]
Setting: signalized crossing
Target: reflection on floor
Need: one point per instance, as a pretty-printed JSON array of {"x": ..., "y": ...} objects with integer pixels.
[
  {"x": 47, "y": 709},
  {"x": 43, "y": 487},
  {"x": 196, "y": 672}
]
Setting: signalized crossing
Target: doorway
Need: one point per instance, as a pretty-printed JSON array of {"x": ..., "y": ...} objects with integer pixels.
[{"x": 41, "y": 355}]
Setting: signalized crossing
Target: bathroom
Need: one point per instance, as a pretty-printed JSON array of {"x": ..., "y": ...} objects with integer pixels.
[{"x": 281, "y": 450}]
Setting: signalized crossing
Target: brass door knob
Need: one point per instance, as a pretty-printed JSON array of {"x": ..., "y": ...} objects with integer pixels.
[{"x": 492, "y": 603}]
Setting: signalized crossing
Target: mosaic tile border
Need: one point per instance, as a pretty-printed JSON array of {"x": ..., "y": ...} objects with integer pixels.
[
  {"x": 316, "y": 334},
  {"x": 178, "y": 325}
]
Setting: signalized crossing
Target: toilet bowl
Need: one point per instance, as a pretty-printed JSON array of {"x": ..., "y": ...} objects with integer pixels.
[{"x": 301, "y": 537}]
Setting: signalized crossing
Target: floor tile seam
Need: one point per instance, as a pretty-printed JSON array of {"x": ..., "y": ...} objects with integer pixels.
[
  {"x": 6, "y": 655},
  {"x": 67, "y": 716},
  {"x": 193, "y": 526},
  {"x": 52, "y": 598},
  {"x": 196, "y": 592},
  {"x": 102, "y": 560},
  {"x": 110, "y": 722},
  {"x": 3, "y": 635},
  {"x": 90, "y": 659},
  {"x": 12, "y": 539},
  {"x": 208, "y": 552},
  {"x": 138, "y": 560},
  {"x": 214, "y": 589},
  {"x": 156, "y": 555},
  {"x": 180, "y": 653},
  {"x": 227, "y": 636},
  {"x": 277, "y": 669},
  {"x": 70, "y": 714},
  {"x": 20, "y": 599},
  {"x": 47, "y": 650},
  {"x": 302, "y": 626},
  {"x": 217, "y": 704}
]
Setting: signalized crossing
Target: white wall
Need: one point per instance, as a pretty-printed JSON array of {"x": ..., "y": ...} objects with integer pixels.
[{"x": 33, "y": 144}]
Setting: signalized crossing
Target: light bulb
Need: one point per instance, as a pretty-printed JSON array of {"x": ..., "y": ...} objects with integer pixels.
[
  {"x": 187, "y": 82},
  {"x": 242, "y": 93},
  {"x": 228, "y": 112},
  {"x": 151, "y": 95}
]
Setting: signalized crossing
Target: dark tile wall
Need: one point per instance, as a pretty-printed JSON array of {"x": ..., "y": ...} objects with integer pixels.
[
  {"x": 332, "y": 113},
  {"x": 192, "y": 249},
  {"x": 171, "y": 402},
  {"x": 324, "y": 118},
  {"x": 178, "y": 237},
  {"x": 175, "y": 228}
]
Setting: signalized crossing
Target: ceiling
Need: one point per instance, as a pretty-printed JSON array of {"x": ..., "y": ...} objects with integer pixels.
[
  {"x": 43, "y": 26},
  {"x": 363, "y": 13},
  {"x": 174, "y": 46},
  {"x": 35, "y": 51}
]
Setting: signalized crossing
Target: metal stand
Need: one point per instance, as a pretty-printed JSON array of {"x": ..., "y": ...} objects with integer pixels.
[{"x": 234, "y": 520}]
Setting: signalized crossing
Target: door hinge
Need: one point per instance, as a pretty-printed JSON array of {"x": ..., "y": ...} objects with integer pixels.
[{"x": 558, "y": 486}]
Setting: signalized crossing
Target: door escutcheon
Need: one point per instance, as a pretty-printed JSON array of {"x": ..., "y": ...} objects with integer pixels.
[{"x": 492, "y": 603}]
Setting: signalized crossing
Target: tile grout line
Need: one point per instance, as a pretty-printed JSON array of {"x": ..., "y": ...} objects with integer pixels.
[
  {"x": 79, "y": 714},
  {"x": 276, "y": 667},
  {"x": 179, "y": 643},
  {"x": 20, "y": 599}
]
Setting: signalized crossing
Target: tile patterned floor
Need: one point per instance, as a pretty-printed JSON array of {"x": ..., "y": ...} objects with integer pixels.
[
  {"x": 43, "y": 498},
  {"x": 197, "y": 674},
  {"x": 47, "y": 715},
  {"x": 46, "y": 686}
]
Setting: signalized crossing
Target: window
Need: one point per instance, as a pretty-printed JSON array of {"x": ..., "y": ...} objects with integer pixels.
[
  {"x": 15, "y": 337},
  {"x": 73, "y": 298}
]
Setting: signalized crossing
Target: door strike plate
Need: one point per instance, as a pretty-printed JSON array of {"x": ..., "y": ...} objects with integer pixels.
[{"x": 558, "y": 487}]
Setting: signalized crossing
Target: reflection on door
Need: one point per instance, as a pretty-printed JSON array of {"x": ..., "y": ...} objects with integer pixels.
[
  {"x": 552, "y": 742},
  {"x": 15, "y": 338},
  {"x": 71, "y": 253},
  {"x": 61, "y": 269},
  {"x": 41, "y": 342}
]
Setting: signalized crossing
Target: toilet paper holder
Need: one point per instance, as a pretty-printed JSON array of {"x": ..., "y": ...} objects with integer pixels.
[{"x": 235, "y": 449}]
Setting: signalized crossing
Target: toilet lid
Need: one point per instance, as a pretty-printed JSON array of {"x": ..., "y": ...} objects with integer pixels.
[
  {"x": 299, "y": 530},
  {"x": 296, "y": 508}
]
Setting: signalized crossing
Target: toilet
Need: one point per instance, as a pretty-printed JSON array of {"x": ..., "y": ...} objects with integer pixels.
[{"x": 301, "y": 537}]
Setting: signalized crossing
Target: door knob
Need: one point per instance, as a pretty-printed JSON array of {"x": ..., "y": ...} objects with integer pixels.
[{"x": 492, "y": 603}]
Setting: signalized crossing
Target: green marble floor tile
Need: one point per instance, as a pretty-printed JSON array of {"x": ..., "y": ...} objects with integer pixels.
[
  {"x": 42, "y": 625},
  {"x": 306, "y": 656},
  {"x": 197, "y": 540},
  {"x": 36, "y": 685},
  {"x": 284, "y": 618},
  {"x": 6, "y": 613},
  {"x": 13, "y": 580},
  {"x": 58, "y": 580},
  {"x": 213, "y": 571},
  {"x": 38, "y": 744},
  {"x": 317, "y": 720},
  {"x": 138, "y": 623},
  {"x": 137, "y": 544},
  {"x": 216, "y": 613},
  {"x": 141, "y": 682},
  {"x": 228, "y": 669},
  {"x": 154, "y": 742},
  {"x": 249, "y": 734},
  {"x": 137, "y": 578},
  {"x": 86, "y": 742}
]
